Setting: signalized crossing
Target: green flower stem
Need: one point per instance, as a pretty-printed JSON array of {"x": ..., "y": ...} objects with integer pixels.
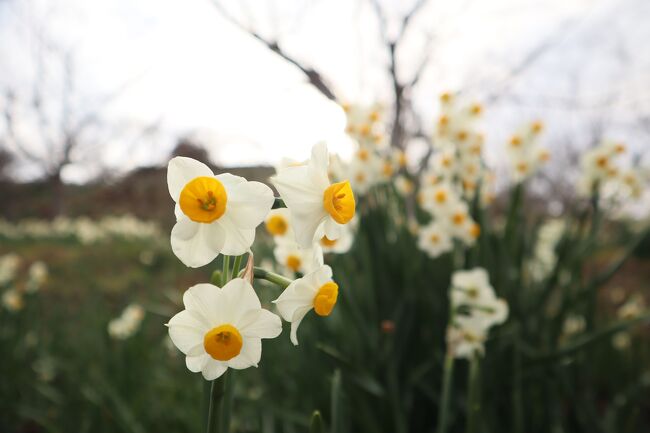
[
  {"x": 271, "y": 277},
  {"x": 226, "y": 403},
  {"x": 474, "y": 394},
  {"x": 236, "y": 266},
  {"x": 443, "y": 409},
  {"x": 278, "y": 203},
  {"x": 225, "y": 273},
  {"x": 217, "y": 393}
]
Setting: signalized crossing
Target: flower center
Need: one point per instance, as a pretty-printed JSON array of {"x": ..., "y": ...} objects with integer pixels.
[
  {"x": 293, "y": 262},
  {"x": 459, "y": 218},
  {"x": 203, "y": 199},
  {"x": 325, "y": 299},
  {"x": 441, "y": 196},
  {"x": 338, "y": 201},
  {"x": 387, "y": 169},
  {"x": 277, "y": 225},
  {"x": 223, "y": 342},
  {"x": 434, "y": 239},
  {"x": 327, "y": 242},
  {"x": 363, "y": 154},
  {"x": 475, "y": 231}
]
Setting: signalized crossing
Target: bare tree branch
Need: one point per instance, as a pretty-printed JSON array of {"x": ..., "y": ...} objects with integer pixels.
[{"x": 313, "y": 76}]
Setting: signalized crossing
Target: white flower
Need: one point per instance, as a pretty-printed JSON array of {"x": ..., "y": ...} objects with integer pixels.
[
  {"x": 8, "y": 266},
  {"x": 403, "y": 185},
  {"x": 222, "y": 328},
  {"x": 337, "y": 246},
  {"x": 466, "y": 337},
  {"x": 37, "y": 276},
  {"x": 471, "y": 289},
  {"x": 215, "y": 214},
  {"x": 278, "y": 223},
  {"x": 434, "y": 239},
  {"x": 12, "y": 300},
  {"x": 315, "y": 290},
  {"x": 127, "y": 324},
  {"x": 295, "y": 259},
  {"x": 441, "y": 198},
  {"x": 312, "y": 200}
]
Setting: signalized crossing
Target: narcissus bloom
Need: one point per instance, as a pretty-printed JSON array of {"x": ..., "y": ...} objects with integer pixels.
[
  {"x": 278, "y": 224},
  {"x": 215, "y": 214},
  {"x": 434, "y": 239},
  {"x": 337, "y": 246},
  {"x": 315, "y": 290},
  {"x": 222, "y": 328},
  {"x": 312, "y": 200},
  {"x": 295, "y": 259}
]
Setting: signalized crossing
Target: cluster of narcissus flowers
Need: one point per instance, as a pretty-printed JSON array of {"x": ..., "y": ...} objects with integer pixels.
[
  {"x": 84, "y": 229},
  {"x": 15, "y": 288},
  {"x": 525, "y": 154},
  {"x": 373, "y": 162},
  {"x": 544, "y": 255},
  {"x": 474, "y": 310},
  {"x": 459, "y": 150},
  {"x": 603, "y": 172},
  {"x": 222, "y": 328}
]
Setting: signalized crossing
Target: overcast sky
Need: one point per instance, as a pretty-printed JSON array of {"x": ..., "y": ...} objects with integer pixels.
[{"x": 180, "y": 65}]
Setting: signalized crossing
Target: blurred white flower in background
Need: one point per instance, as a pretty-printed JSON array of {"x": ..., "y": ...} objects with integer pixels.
[
  {"x": 127, "y": 324},
  {"x": 475, "y": 309}
]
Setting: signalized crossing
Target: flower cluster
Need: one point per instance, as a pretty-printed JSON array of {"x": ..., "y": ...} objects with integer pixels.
[
  {"x": 83, "y": 229},
  {"x": 15, "y": 287},
  {"x": 474, "y": 310},
  {"x": 459, "y": 150},
  {"x": 222, "y": 327},
  {"x": 373, "y": 162},
  {"x": 525, "y": 154},
  {"x": 602, "y": 171},
  {"x": 544, "y": 255}
]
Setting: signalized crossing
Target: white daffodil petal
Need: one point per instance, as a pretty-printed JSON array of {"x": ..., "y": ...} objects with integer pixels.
[
  {"x": 237, "y": 241},
  {"x": 197, "y": 363},
  {"x": 241, "y": 297},
  {"x": 250, "y": 354},
  {"x": 205, "y": 299},
  {"x": 185, "y": 331},
  {"x": 298, "y": 295},
  {"x": 181, "y": 170},
  {"x": 299, "y": 314},
  {"x": 249, "y": 203},
  {"x": 213, "y": 369},
  {"x": 259, "y": 324},
  {"x": 197, "y": 244},
  {"x": 332, "y": 229}
]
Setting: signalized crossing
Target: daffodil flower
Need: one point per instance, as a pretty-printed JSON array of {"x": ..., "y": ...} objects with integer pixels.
[
  {"x": 315, "y": 290},
  {"x": 434, "y": 240},
  {"x": 215, "y": 214},
  {"x": 312, "y": 200},
  {"x": 222, "y": 328}
]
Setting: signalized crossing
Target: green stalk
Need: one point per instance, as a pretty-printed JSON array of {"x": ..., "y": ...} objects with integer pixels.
[
  {"x": 236, "y": 266},
  {"x": 217, "y": 392},
  {"x": 443, "y": 409},
  {"x": 271, "y": 277},
  {"x": 474, "y": 394},
  {"x": 226, "y": 403},
  {"x": 225, "y": 273}
]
